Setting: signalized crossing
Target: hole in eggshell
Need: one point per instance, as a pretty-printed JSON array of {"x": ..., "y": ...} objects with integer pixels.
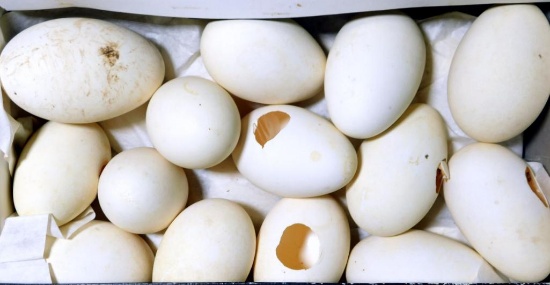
[
  {"x": 534, "y": 185},
  {"x": 269, "y": 125},
  {"x": 299, "y": 247}
]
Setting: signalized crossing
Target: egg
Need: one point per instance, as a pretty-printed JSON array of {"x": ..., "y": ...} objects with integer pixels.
[
  {"x": 291, "y": 152},
  {"x": 142, "y": 192},
  {"x": 212, "y": 240},
  {"x": 225, "y": 181},
  {"x": 373, "y": 71},
  {"x": 79, "y": 70},
  {"x": 303, "y": 240},
  {"x": 99, "y": 252},
  {"x": 253, "y": 60},
  {"x": 400, "y": 173},
  {"x": 496, "y": 202},
  {"x": 58, "y": 170},
  {"x": 193, "y": 122},
  {"x": 417, "y": 256},
  {"x": 498, "y": 80}
]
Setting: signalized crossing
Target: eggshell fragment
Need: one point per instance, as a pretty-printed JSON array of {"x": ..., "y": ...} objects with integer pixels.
[
  {"x": 498, "y": 80},
  {"x": 291, "y": 152},
  {"x": 373, "y": 71},
  {"x": 417, "y": 256},
  {"x": 212, "y": 240},
  {"x": 79, "y": 70},
  {"x": 264, "y": 61},
  {"x": 400, "y": 173},
  {"x": 99, "y": 252},
  {"x": 141, "y": 192},
  {"x": 58, "y": 170},
  {"x": 193, "y": 122},
  {"x": 303, "y": 240},
  {"x": 493, "y": 196}
]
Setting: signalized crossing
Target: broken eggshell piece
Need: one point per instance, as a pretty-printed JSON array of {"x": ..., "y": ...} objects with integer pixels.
[
  {"x": 303, "y": 240},
  {"x": 494, "y": 199},
  {"x": 292, "y": 152},
  {"x": 400, "y": 173}
]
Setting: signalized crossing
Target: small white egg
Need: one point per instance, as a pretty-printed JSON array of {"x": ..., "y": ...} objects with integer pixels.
[
  {"x": 303, "y": 240},
  {"x": 58, "y": 170},
  {"x": 99, "y": 252},
  {"x": 193, "y": 122},
  {"x": 498, "y": 80},
  {"x": 373, "y": 71},
  {"x": 400, "y": 173},
  {"x": 79, "y": 70},
  {"x": 417, "y": 256},
  {"x": 212, "y": 240},
  {"x": 142, "y": 192},
  {"x": 264, "y": 61},
  {"x": 496, "y": 202},
  {"x": 292, "y": 152}
]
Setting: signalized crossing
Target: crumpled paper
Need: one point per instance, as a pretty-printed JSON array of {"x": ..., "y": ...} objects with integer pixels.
[{"x": 23, "y": 245}]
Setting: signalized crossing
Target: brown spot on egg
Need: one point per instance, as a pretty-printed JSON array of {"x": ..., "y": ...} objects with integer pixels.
[
  {"x": 534, "y": 185},
  {"x": 269, "y": 125},
  {"x": 110, "y": 53}
]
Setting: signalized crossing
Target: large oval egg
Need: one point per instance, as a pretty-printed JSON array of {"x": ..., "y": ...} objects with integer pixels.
[
  {"x": 374, "y": 69},
  {"x": 99, "y": 252},
  {"x": 58, "y": 170},
  {"x": 79, "y": 70},
  {"x": 193, "y": 122},
  {"x": 303, "y": 240},
  {"x": 397, "y": 181},
  {"x": 212, "y": 240},
  {"x": 496, "y": 202},
  {"x": 264, "y": 61},
  {"x": 291, "y": 152},
  {"x": 498, "y": 80},
  {"x": 417, "y": 256}
]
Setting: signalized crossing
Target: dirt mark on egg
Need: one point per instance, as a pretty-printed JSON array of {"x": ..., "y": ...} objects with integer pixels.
[{"x": 110, "y": 53}]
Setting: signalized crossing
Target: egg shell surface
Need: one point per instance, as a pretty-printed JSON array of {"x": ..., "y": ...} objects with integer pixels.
[
  {"x": 498, "y": 80},
  {"x": 303, "y": 240},
  {"x": 58, "y": 170},
  {"x": 416, "y": 256},
  {"x": 373, "y": 71},
  {"x": 79, "y": 70},
  {"x": 292, "y": 152},
  {"x": 396, "y": 182},
  {"x": 212, "y": 240},
  {"x": 142, "y": 192},
  {"x": 491, "y": 196},
  {"x": 193, "y": 122},
  {"x": 252, "y": 60},
  {"x": 99, "y": 252}
]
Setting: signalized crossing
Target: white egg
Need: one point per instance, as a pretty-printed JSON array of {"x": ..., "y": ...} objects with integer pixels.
[
  {"x": 399, "y": 174},
  {"x": 417, "y": 256},
  {"x": 225, "y": 181},
  {"x": 99, "y": 253},
  {"x": 292, "y": 152},
  {"x": 212, "y": 240},
  {"x": 264, "y": 61},
  {"x": 142, "y": 192},
  {"x": 498, "y": 80},
  {"x": 496, "y": 202},
  {"x": 79, "y": 70},
  {"x": 58, "y": 170},
  {"x": 373, "y": 71},
  {"x": 303, "y": 240},
  {"x": 193, "y": 122}
]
